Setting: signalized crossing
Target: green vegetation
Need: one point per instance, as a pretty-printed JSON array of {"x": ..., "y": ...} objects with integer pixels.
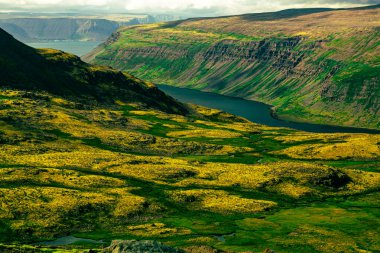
[
  {"x": 313, "y": 65},
  {"x": 123, "y": 167},
  {"x": 124, "y": 172},
  {"x": 74, "y": 78}
]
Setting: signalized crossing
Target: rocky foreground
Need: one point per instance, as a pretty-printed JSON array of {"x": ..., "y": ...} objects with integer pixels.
[{"x": 134, "y": 246}]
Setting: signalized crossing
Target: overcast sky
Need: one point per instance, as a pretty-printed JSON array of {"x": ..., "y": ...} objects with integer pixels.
[{"x": 180, "y": 7}]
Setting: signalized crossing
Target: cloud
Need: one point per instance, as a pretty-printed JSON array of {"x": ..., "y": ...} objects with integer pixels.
[{"x": 181, "y": 7}]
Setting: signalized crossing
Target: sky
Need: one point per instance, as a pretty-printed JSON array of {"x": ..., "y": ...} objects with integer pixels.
[{"x": 178, "y": 7}]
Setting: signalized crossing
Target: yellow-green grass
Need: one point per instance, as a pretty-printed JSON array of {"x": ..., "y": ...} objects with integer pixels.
[{"x": 125, "y": 172}]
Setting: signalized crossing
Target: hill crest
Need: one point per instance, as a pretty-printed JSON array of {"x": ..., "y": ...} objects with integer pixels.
[{"x": 64, "y": 74}]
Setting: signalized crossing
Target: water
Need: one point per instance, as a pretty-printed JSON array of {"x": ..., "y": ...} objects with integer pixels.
[
  {"x": 254, "y": 111},
  {"x": 222, "y": 238},
  {"x": 66, "y": 240},
  {"x": 78, "y": 48}
]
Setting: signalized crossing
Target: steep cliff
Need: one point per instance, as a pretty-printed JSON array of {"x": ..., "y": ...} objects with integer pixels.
[{"x": 315, "y": 65}]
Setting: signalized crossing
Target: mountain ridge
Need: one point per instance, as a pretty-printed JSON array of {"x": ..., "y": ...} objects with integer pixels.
[
  {"x": 63, "y": 74},
  {"x": 306, "y": 66}
]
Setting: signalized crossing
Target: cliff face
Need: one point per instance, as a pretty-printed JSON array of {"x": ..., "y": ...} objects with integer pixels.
[{"x": 319, "y": 67}]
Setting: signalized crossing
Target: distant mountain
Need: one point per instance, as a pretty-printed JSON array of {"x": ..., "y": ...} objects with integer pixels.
[
  {"x": 63, "y": 74},
  {"x": 31, "y": 29},
  {"x": 314, "y": 65},
  {"x": 95, "y": 28}
]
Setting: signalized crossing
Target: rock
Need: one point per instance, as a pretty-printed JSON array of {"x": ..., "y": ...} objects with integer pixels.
[
  {"x": 134, "y": 246},
  {"x": 201, "y": 249},
  {"x": 334, "y": 179}
]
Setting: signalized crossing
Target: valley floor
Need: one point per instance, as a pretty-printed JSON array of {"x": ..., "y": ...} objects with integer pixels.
[{"x": 207, "y": 179}]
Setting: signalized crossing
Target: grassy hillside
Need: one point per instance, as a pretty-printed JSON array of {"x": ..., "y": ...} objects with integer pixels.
[
  {"x": 63, "y": 74},
  {"x": 205, "y": 180},
  {"x": 314, "y": 65}
]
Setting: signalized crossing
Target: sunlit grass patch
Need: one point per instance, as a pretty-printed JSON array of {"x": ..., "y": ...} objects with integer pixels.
[
  {"x": 127, "y": 204},
  {"x": 201, "y": 240},
  {"x": 207, "y": 133},
  {"x": 349, "y": 147},
  {"x": 36, "y": 249},
  {"x": 291, "y": 189},
  {"x": 54, "y": 155},
  {"x": 43, "y": 210},
  {"x": 57, "y": 55},
  {"x": 143, "y": 113},
  {"x": 156, "y": 230},
  {"x": 219, "y": 201},
  {"x": 62, "y": 102},
  {"x": 278, "y": 177},
  {"x": 158, "y": 170},
  {"x": 65, "y": 177}
]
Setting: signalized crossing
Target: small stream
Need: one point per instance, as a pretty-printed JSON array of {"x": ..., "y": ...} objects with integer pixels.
[{"x": 222, "y": 238}]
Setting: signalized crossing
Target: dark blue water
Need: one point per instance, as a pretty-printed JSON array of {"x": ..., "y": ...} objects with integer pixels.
[
  {"x": 78, "y": 48},
  {"x": 254, "y": 111}
]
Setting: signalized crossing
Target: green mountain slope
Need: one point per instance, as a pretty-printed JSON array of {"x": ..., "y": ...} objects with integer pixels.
[
  {"x": 66, "y": 75},
  {"x": 89, "y": 152},
  {"x": 314, "y": 65}
]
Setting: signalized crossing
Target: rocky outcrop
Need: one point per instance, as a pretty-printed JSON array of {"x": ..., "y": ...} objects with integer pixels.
[
  {"x": 334, "y": 179},
  {"x": 145, "y": 246},
  {"x": 133, "y": 246}
]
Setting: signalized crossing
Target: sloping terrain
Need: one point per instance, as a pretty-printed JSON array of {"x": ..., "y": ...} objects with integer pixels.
[
  {"x": 64, "y": 74},
  {"x": 314, "y": 65},
  {"x": 133, "y": 169}
]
